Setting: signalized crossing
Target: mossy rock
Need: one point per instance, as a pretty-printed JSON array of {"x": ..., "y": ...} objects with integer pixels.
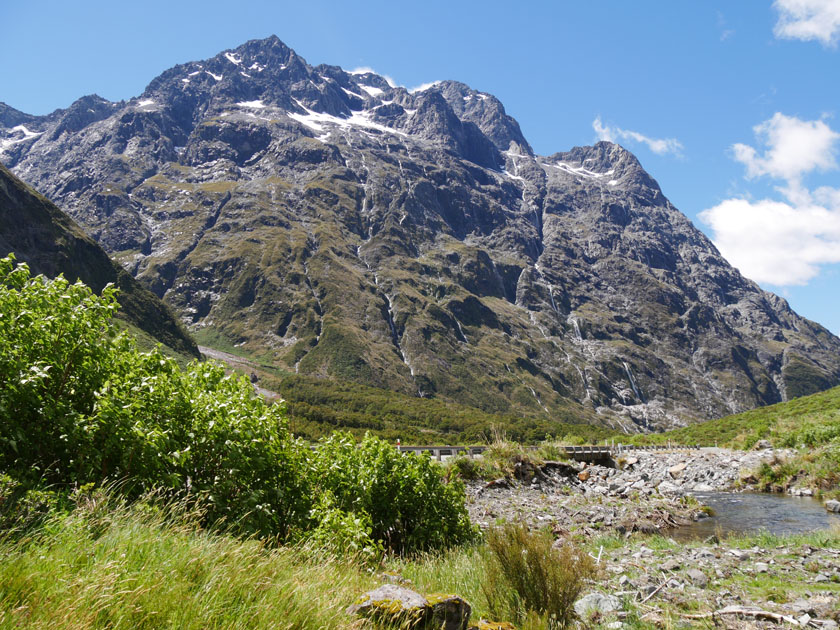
[
  {"x": 483, "y": 624},
  {"x": 392, "y": 606}
]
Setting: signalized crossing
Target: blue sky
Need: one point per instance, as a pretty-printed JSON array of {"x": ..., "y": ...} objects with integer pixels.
[{"x": 732, "y": 107}]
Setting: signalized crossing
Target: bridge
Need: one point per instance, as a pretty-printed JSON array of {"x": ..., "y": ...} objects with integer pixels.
[{"x": 585, "y": 453}]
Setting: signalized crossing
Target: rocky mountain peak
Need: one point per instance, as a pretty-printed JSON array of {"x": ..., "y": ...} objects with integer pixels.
[
  {"x": 487, "y": 112},
  {"x": 335, "y": 225}
]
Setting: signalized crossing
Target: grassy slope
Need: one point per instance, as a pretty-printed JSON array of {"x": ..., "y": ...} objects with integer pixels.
[{"x": 809, "y": 421}]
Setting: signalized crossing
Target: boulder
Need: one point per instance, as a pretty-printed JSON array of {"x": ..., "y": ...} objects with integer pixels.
[
  {"x": 492, "y": 625},
  {"x": 449, "y": 612},
  {"x": 676, "y": 471},
  {"x": 391, "y": 601},
  {"x": 400, "y": 606},
  {"x": 832, "y": 506},
  {"x": 583, "y": 475}
]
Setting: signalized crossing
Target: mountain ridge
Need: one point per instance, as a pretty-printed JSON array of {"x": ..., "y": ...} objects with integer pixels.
[{"x": 339, "y": 226}]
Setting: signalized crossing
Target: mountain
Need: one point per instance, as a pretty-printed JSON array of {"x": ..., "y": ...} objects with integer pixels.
[
  {"x": 51, "y": 243},
  {"x": 331, "y": 224}
]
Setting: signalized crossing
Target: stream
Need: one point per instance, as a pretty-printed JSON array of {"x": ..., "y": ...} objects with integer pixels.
[{"x": 745, "y": 513}]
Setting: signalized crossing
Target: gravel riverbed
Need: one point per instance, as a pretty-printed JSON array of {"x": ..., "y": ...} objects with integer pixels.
[{"x": 757, "y": 582}]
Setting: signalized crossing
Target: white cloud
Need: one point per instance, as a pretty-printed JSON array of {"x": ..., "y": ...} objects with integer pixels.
[
  {"x": 783, "y": 243},
  {"x": 808, "y": 20},
  {"x": 660, "y": 146},
  {"x": 794, "y": 147},
  {"x": 369, "y": 70},
  {"x": 776, "y": 242}
]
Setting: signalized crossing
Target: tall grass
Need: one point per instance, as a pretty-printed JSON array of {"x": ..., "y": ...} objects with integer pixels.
[
  {"x": 529, "y": 580},
  {"x": 111, "y": 565}
]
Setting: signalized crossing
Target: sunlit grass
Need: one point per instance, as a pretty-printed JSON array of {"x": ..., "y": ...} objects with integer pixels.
[{"x": 136, "y": 567}]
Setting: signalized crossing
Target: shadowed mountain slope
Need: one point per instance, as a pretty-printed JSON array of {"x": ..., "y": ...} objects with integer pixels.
[{"x": 51, "y": 243}]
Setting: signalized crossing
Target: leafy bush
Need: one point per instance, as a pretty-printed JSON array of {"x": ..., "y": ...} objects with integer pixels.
[
  {"x": 528, "y": 577},
  {"x": 56, "y": 346},
  {"x": 22, "y": 508},
  {"x": 84, "y": 406},
  {"x": 409, "y": 504},
  {"x": 343, "y": 533}
]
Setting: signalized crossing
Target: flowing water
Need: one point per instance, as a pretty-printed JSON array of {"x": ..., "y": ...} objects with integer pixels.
[{"x": 744, "y": 513}]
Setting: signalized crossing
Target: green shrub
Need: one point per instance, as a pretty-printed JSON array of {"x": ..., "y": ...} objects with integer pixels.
[
  {"x": 467, "y": 468},
  {"x": 343, "y": 533},
  {"x": 409, "y": 503},
  {"x": 526, "y": 575},
  {"x": 84, "y": 406},
  {"x": 56, "y": 346},
  {"x": 22, "y": 508}
]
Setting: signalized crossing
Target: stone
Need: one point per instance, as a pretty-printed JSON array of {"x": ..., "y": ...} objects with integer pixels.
[
  {"x": 483, "y": 624},
  {"x": 832, "y": 506},
  {"x": 671, "y": 564},
  {"x": 667, "y": 487},
  {"x": 449, "y": 612},
  {"x": 740, "y": 554},
  {"x": 761, "y": 567},
  {"x": 763, "y": 444},
  {"x": 676, "y": 471},
  {"x": 400, "y": 606},
  {"x": 583, "y": 475},
  {"x": 597, "y": 602},
  {"x": 829, "y": 624},
  {"x": 698, "y": 578},
  {"x": 703, "y": 487}
]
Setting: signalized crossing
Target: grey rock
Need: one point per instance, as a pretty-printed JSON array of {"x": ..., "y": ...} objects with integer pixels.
[
  {"x": 761, "y": 567},
  {"x": 667, "y": 488},
  {"x": 447, "y": 613},
  {"x": 832, "y": 505},
  {"x": 597, "y": 602},
  {"x": 698, "y": 578},
  {"x": 740, "y": 554},
  {"x": 672, "y": 564}
]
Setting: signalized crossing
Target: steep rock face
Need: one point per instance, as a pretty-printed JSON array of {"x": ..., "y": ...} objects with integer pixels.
[
  {"x": 336, "y": 225},
  {"x": 45, "y": 238}
]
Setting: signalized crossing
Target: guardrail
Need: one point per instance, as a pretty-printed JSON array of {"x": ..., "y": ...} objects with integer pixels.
[{"x": 575, "y": 452}]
